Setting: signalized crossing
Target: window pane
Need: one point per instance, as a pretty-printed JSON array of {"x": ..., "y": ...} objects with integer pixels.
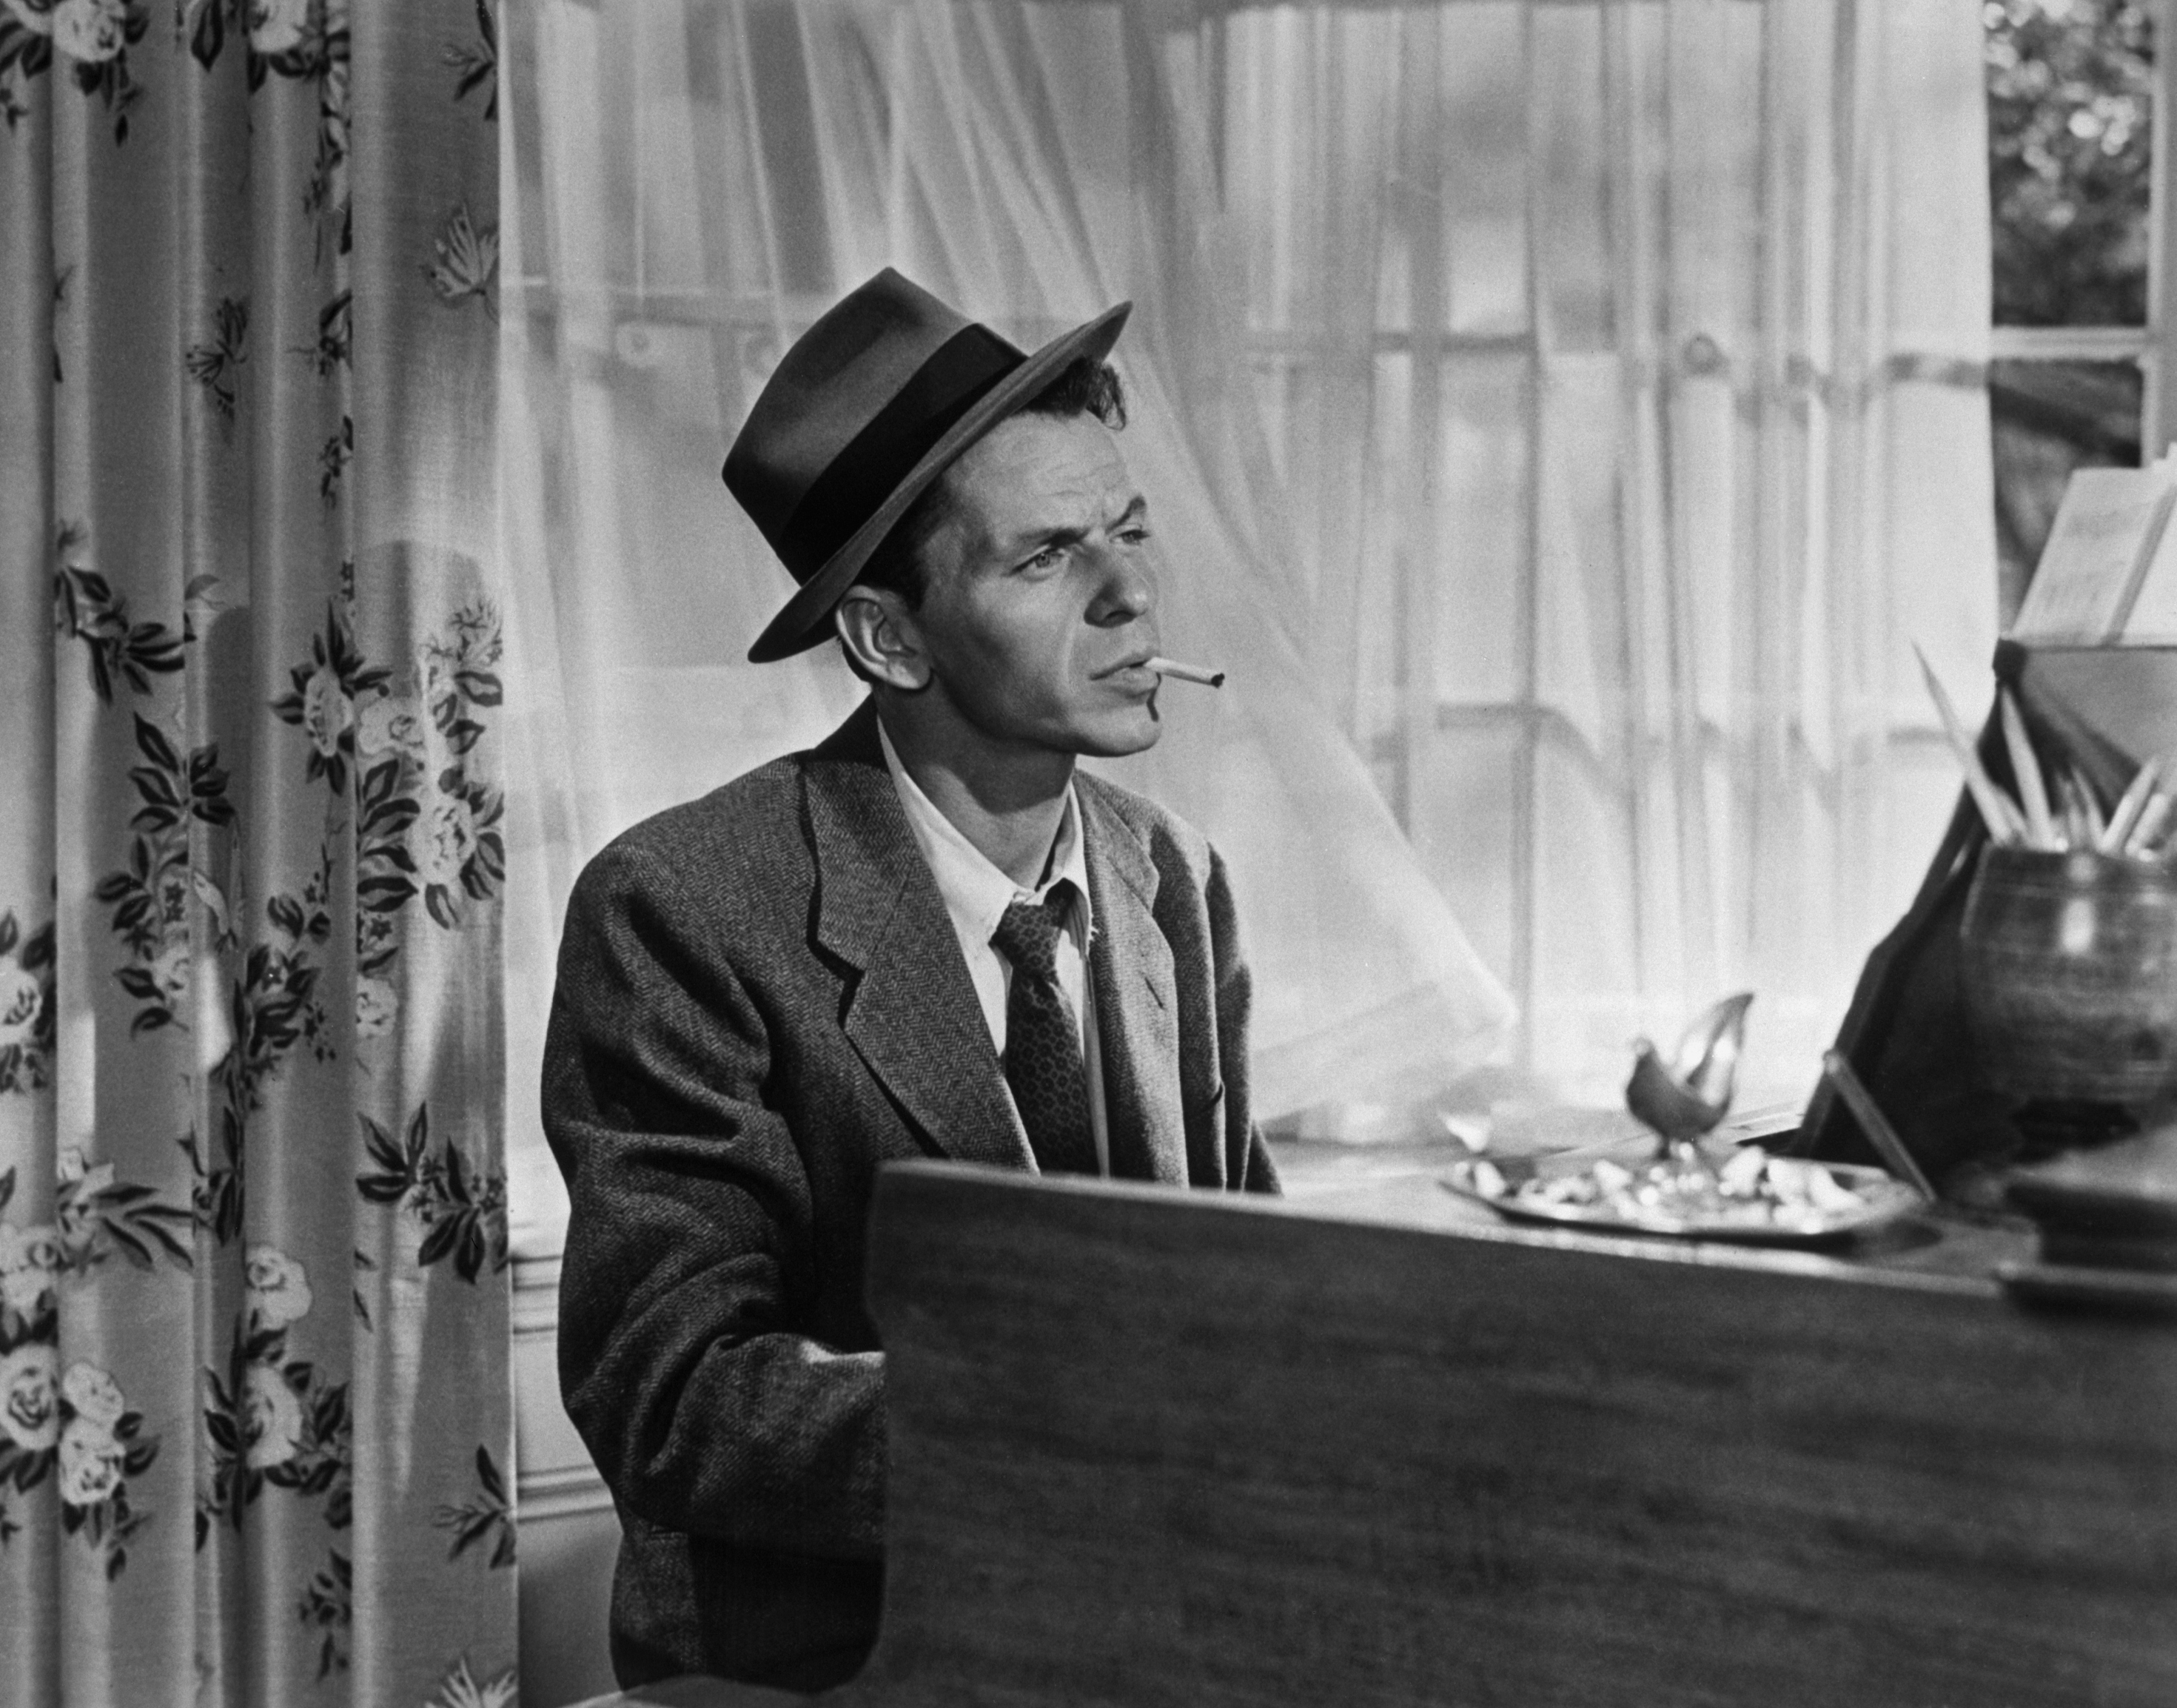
[
  {"x": 2049, "y": 418},
  {"x": 2069, "y": 89},
  {"x": 2070, "y": 102}
]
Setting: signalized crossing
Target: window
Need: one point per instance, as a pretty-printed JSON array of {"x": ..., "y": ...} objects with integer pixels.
[{"x": 2077, "y": 162}]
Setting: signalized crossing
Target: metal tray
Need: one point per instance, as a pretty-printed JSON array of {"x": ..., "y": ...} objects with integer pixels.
[{"x": 1884, "y": 1199}]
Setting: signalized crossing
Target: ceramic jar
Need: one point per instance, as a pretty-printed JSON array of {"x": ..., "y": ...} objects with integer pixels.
[{"x": 2069, "y": 974}]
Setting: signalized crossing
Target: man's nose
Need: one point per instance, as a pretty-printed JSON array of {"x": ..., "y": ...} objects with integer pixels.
[{"x": 1128, "y": 590}]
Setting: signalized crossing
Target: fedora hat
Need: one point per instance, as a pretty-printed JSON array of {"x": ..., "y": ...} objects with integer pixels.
[{"x": 871, "y": 404}]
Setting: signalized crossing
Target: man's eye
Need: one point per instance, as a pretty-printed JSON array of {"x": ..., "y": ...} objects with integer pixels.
[
  {"x": 1048, "y": 559},
  {"x": 1135, "y": 533}
]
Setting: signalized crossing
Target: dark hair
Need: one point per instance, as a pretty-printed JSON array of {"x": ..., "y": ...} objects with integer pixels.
[{"x": 1084, "y": 386}]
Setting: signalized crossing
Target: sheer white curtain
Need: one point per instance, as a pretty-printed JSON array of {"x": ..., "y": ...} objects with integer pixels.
[
  {"x": 1622, "y": 369},
  {"x": 1557, "y": 416}
]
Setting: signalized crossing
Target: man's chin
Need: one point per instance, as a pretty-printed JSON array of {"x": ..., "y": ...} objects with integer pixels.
[{"x": 1107, "y": 743}]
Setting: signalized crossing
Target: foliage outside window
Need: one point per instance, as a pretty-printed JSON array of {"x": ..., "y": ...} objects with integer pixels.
[
  {"x": 2070, "y": 111},
  {"x": 2070, "y": 105}
]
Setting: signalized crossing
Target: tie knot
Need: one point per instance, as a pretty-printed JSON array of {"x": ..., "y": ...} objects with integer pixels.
[{"x": 1028, "y": 935}]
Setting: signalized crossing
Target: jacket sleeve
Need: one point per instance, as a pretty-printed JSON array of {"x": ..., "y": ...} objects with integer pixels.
[
  {"x": 1248, "y": 1164},
  {"x": 688, "y": 1242}
]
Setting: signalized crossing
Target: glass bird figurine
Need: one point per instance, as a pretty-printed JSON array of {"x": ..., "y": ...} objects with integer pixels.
[{"x": 1685, "y": 1096}]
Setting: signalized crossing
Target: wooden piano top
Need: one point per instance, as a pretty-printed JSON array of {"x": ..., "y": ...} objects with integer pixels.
[{"x": 1371, "y": 1447}]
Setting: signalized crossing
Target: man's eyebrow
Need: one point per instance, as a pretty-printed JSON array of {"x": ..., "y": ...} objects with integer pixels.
[{"x": 1036, "y": 539}]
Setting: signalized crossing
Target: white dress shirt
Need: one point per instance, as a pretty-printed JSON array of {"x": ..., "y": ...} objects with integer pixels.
[{"x": 976, "y": 894}]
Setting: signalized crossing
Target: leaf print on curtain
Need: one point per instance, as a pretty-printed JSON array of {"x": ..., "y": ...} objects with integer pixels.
[
  {"x": 215, "y": 363},
  {"x": 476, "y": 62},
  {"x": 489, "y": 1515},
  {"x": 253, "y": 1387}
]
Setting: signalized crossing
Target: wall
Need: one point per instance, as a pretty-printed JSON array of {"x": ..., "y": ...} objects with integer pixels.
[{"x": 569, "y": 1533}]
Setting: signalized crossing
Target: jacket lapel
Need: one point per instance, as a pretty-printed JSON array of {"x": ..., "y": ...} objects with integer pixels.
[
  {"x": 1137, "y": 1000},
  {"x": 912, "y": 1013}
]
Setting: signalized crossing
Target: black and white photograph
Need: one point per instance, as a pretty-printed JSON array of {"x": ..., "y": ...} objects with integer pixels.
[{"x": 1087, "y": 853}]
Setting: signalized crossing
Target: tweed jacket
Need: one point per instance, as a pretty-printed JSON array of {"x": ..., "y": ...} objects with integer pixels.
[{"x": 759, "y": 1000}]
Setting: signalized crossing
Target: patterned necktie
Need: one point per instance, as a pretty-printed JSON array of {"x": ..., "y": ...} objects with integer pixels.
[{"x": 1043, "y": 1043}]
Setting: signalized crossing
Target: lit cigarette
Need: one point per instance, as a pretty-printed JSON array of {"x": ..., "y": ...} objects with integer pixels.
[{"x": 1187, "y": 672}]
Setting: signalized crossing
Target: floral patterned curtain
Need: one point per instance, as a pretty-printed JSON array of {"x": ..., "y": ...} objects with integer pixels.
[{"x": 254, "y": 1416}]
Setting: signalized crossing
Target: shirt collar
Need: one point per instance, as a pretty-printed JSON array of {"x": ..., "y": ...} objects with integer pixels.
[{"x": 975, "y": 892}]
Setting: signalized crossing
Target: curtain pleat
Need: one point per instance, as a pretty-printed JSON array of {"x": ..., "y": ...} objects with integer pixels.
[{"x": 255, "y": 1445}]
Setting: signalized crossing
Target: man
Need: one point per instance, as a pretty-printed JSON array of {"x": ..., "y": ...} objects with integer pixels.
[{"x": 926, "y": 938}]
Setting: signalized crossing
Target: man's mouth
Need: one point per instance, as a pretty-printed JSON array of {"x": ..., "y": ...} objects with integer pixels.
[{"x": 1131, "y": 671}]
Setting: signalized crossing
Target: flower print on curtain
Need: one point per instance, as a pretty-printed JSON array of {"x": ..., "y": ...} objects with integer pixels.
[
  {"x": 92, "y": 39},
  {"x": 254, "y": 1419}
]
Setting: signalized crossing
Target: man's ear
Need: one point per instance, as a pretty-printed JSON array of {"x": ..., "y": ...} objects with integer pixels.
[{"x": 880, "y": 635}]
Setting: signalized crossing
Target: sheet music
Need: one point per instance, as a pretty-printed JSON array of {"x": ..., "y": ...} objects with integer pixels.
[
  {"x": 2153, "y": 618},
  {"x": 2106, "y": 535}
]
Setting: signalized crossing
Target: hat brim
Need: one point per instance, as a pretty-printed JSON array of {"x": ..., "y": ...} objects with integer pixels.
[{"x": 803, "y": 621}]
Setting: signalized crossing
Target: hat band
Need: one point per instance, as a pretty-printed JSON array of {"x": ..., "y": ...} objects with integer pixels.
[{"x": 871, "y": 468}]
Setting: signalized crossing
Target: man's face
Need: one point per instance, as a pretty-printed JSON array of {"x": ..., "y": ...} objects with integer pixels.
[{"x": 1039, "y": 606}]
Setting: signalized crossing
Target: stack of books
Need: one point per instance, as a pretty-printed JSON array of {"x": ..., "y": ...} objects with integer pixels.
[{"x": 2108, "y": 1223}]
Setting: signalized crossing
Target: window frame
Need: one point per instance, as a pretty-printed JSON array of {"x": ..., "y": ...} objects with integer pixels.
[{"x": 2149, "y": 345}]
